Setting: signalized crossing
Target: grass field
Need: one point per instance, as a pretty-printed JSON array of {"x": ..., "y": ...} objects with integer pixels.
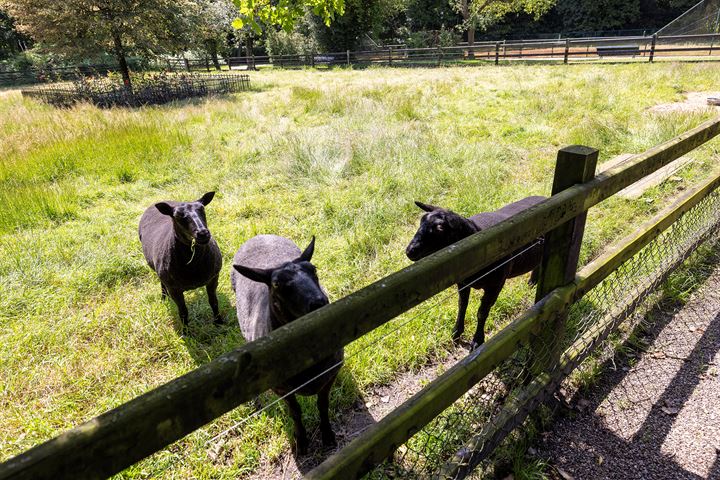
[{"x": 338, "y": 154}]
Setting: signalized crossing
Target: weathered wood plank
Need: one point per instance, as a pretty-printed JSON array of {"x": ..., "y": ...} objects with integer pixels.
[
  {"x": 575, "y": 165},
  {"x": 638, "y": 189},
  {"x": 115, "y": 440}
]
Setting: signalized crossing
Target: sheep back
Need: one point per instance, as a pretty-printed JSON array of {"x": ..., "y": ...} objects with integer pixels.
[
  {"x": 163, "y": 253},
  {"x": 488, "y": 219},
  {"x": 521, "y": 264},
  {"x": 252, "y": 299},
  {"x": 252, "y": 302}
]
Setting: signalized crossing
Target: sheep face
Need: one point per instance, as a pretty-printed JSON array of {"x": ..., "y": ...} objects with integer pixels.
[
  {"x": 189, "y": 219},
  {"x": 439, "y": 228},
  {"x": 294, "y": 286}
]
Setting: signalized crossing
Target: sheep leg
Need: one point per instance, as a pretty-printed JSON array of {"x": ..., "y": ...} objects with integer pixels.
[
  {"x": 492, "y": 292},
  {"x": 463, "y": 300},
  {"x": 301, "y": 442},
  {"x": 179, "y": 299},
  {"x": 164, "y": 291},
  {"x": 211, "y": 289},
  {"x": 323, "y": 403}
]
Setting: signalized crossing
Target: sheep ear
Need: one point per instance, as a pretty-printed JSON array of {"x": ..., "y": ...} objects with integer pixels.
[
  {"x": 426, "y": 207},
  {"x": 207, "y": 198},
  {"x": 306, "y": 256},
  {"x": 255, "y": 274},
  {"x": 165, "y": 209}
]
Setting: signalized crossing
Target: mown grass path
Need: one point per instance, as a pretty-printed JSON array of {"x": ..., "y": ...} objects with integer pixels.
[{"x": 339, "y": 154}]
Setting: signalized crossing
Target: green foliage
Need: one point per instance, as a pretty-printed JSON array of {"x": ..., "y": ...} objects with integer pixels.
[
  {"x": 360, "y": 18},
  {"x": 290, "y": 43},
  {"x": 445, "y": 37},
  {"x": 283, "y": 13},
  {"x": 598, "y": 14},
  {"x": 484, "y": 13},
  {"x": 11, "y": 41},
  {"x": 431, "y": 15}
]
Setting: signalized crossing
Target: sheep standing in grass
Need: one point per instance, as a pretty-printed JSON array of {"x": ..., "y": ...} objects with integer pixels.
[
  {"x": 177, "y": 244},
  {"x": 275, "y": 284},
  {"x": 440, "y": 228}
]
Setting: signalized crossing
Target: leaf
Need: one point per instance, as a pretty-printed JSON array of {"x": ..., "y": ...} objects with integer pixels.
[{"x": 670, "y": 410}]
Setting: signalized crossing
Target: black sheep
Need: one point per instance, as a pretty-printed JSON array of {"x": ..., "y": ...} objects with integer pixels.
[
  {"x": 440, "y": 228},
  {"x": 179, "y": 248},
  {"x": 275, "y": 284}
]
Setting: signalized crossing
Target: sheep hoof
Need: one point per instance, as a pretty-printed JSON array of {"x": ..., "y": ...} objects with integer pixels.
[
  {"x": 218, "y": 320},
  {"x": 300, "y": 446},
  {"x": 457, "y": 335},
  {"x": 328, "y": 439},
  {"x": 475, "y": 345}
]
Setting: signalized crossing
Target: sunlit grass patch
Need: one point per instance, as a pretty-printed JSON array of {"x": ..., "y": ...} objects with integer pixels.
[{"x": 338, "y": 154}]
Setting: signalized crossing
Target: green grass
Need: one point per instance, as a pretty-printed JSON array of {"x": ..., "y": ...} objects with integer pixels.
[{"x": 339, "y": 154}]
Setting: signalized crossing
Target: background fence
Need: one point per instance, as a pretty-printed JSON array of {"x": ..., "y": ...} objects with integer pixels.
[
  {"x": 567, "y": 50},
  {"x": 453, "y": 424}
]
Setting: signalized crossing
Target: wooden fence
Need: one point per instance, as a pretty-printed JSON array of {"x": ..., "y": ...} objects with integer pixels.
[
  {"x": 639, "y": 48},
  {"x": 115, "y": 440}
]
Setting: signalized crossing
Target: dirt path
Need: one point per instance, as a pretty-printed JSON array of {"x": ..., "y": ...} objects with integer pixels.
[{"x": 655, "y": 415}]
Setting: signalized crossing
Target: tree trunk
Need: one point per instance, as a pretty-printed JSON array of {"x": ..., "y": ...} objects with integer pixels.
[
  {"x": 120, "y": 55},
  {"x": 213, "y": 51},
  {"x": 465, "y": 11},
  {"x": 249, "y": 53}
]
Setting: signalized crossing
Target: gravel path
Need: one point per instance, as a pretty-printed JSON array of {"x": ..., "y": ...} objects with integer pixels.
[{"x": 655, "y": 415}]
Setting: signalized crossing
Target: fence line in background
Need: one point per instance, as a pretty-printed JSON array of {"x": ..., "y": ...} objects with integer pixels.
[
  {"x": 566, "y": 49},
  {"x": 646, "y": 47}
]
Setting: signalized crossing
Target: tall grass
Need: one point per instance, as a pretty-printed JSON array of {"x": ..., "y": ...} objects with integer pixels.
[{"x": 339, "y": 154}]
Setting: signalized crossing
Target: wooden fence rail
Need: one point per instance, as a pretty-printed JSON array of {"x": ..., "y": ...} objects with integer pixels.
[
  {"x": 648, "y": 47},
  {"x": 115, "y": 440}
]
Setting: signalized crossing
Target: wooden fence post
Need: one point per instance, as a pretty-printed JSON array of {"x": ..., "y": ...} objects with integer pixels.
[
  {"x": 312, "y": 59},
  {"x": 390, "y": 55},
  {"x": 348, "y": 57},
  {"x": 652, "y": 47},
  {"x": 497, "y": 53},
  {"x": 567, "y": 50},
  {"x": 575, "y": 164},
  {"x": 187, "y": 64}
]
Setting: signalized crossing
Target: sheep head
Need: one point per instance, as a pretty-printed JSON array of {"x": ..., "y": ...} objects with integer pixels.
[
  {"x": 439, "y": 228},
  {"x": 294, "y": 286},
  {"x": 189, "y": 218}
]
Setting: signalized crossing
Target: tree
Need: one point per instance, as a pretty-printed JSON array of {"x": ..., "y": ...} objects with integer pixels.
[
  {"x": 360, "y": 18},
  {"x": 11, "y": 41},
  {"x": 214, "y": 26},
  {"x": 119, "y": 27},
  {"x": 483, "y": 13},
  {"x": 283, "y": 13},
  {"x": 583, "y": 15},
  {"x": 431, "y": 14}
]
